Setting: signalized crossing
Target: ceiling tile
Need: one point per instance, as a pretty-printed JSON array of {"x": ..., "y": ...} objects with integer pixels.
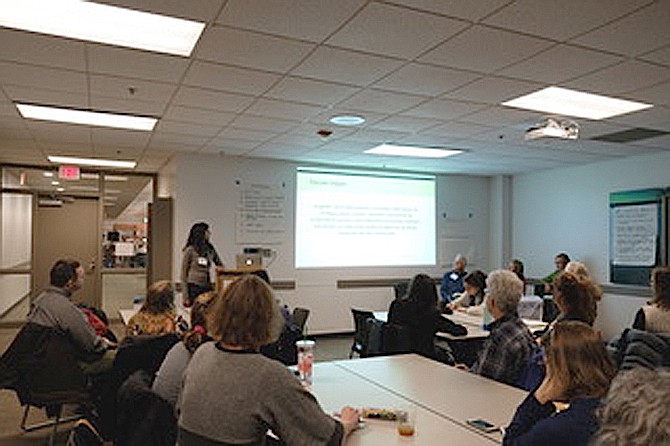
[
  {"x": 283, "y": 109},
  {"x": 443, "y": 109},
  {"x": 177, "y": 141},
  {"x": 661, "y": 56},
  {"x": 50, "y": 97},
  {"x": 464, "y": 9},
  {"x": 658, "y": 94},
  {"x": 127, "y": 105},
  {"x": 310, "y": 91},
  {"x": 51, "y": 132},
  {"x": 425, "y": 80},
  {"x": 249, "y": 49},
  {"x": 405, "y": 123},
  {"x": 200, "y": 10},
  {"x": 198, "y": 116},
  {"x": 381, "y": 101},
  {"x": 135, "y": 64},
  {"x": 348, "y": 67},
  {"x": 43, "y": 78},
  {"x": 186, "y": 128},
  {"x": 394, "y": 31},
  {"x": 131, "y": 89},
  {"x": 621, "y": 78},
  {"x": 118, "y": 137},
  {"x": 623, "y": 36},
  {"x": 493, "y": 90},
  {"x": 657, "y": 118},
  {"x": 499, "y": 115},
  {"x": 229, "y": 146},
  {"x": 485, "y": 49},
  {"x": 31, "y": 48},
  {"x": 562, "y": 21},
  {"x": 213, "y": 100},
  {"x": 312, "y": 20},
  {"x": 246, "y": 134},
  {"x": 374, "y": 136},
  {"x": 456, "y": 130},
  {"x": 13, "y": 129},
  {"x": 247, "y": 121},
  {"x": 559, "y": 64},
  {"x": 312, "y": 140},
  {"x": 221, "y": 77}
]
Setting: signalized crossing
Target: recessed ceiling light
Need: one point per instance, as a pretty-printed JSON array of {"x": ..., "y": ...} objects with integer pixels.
[
  {"x": 579, "y": 104},
  {"x": 96, "y": 22},
  {"x": 347, "y": 120},
  {"x": 412, "y": 151},
  {"x": 92, "y": 162},
  {"x": 60, "y": 189},
  {"x": 48, "y": 174},
  {"x": 55, "y": 183},
  {"x": 73, "y": 116}
]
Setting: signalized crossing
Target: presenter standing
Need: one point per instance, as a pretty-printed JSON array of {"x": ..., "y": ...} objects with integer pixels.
[{"x": 199, "y": 255}]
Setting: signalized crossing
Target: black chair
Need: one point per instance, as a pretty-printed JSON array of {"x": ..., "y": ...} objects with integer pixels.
[
  {"x": 400, "y": 289},
  {"x": 300, "y": 316},
  {"x": 359, "y": 345},
  {"x": 40, "y": 365}
]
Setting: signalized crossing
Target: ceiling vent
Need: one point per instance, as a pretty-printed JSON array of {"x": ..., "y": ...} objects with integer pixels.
[{"x": 630, "y": 135}]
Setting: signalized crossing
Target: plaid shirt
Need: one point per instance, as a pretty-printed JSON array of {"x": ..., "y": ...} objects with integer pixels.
[{"x": 506, "y": 351}]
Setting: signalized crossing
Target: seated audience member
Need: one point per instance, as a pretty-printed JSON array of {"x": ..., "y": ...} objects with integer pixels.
[
  {"x": 452, "y": 281},
  {"x": 157, "y": 315},
  {"x": 509, "y": 346},
  {"x": 561, "y": 261},
  {"x": 579, "y": 269},
  {"x": 579, "y": 372},
  {"x": 635, "y": 411},
  {"x": 516, "y": 266},
  {"x": 54, "y": 308},
  {"x": 472, "y": 300},
  {"x": 419, "y": 313},
  {"x": 655, "y": 316},
  {"x": 232, "y": 394},
  {"x": 168, "y": 379}
]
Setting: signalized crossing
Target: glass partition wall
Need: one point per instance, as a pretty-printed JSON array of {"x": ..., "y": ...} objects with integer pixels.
[{"x": 115, "y": 268}]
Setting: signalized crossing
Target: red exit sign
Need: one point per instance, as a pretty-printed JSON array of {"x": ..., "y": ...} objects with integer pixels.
[{"x": 68, "y": 172}]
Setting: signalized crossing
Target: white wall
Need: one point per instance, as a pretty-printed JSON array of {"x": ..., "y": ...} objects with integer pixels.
[
  {"x": 568, "y": 210},
  {"x": 205, "y": 189}
]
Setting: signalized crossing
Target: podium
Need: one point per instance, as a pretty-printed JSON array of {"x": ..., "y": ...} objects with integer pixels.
[{"x": 225, "y": 276}]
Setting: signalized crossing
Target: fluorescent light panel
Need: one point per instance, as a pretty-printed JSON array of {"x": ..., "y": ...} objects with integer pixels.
[
  {"x": 92, "y": 162},
  {"x": 563, "y": 101},
  {"x": 412, "y": 151},
  {"x": 72, "y": 116},
  {"x": 100, "y": 23}
]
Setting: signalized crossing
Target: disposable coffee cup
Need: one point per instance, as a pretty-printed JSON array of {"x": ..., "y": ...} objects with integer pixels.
[{"x": 305, "y": 361}]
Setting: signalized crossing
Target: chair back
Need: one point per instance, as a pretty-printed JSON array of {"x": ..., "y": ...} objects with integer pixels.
[
  {"x": 375, "y": 337},
  {"x": 400, "y": 289},
  {"x": 530, "y": 307},
  {"x": 300, "y": 316},
  {"x": 360, "y": 330}
]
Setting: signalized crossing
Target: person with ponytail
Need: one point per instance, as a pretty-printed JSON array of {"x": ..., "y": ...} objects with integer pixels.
[{"x": 169, "y": 377}]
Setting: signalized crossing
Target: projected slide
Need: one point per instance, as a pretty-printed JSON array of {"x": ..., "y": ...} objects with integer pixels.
[{"x": 364, "y": 219}]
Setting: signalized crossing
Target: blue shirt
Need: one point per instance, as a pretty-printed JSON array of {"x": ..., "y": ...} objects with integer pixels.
[
  {"x": 452, "y": 282},
  {"x": 539, "y": 424}
]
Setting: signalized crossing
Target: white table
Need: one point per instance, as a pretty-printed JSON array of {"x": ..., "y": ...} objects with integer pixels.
[
  {"x": 472, "y": 322},
  {"x": 335, "y": 386},
  {"x": 453, "y": 394}
]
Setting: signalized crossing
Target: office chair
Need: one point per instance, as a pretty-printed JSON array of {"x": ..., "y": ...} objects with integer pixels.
[
  {"x": 361, "y": 333},
  {"x": 300, "y": 316}
]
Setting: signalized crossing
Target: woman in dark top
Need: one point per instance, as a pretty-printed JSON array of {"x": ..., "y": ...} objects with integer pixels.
[
  {"x": 418, "y": 312},
  {"x": 199, "y": 255},
  {"x": 579, "y": 373}
]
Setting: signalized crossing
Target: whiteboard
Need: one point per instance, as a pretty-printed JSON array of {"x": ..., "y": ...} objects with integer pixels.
[{"x": 635, "y": 233}]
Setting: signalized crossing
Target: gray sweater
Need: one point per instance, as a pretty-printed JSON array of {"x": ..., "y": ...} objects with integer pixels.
[
  {"x": 234, "y": 397},
  {"x": 171, "y": 373},
  {"x": 195, "y": 268},
  {"x": 53, "y": 308}
]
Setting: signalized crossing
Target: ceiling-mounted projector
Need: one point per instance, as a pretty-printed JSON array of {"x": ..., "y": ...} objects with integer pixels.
[{"x": 553, "y": 128}]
